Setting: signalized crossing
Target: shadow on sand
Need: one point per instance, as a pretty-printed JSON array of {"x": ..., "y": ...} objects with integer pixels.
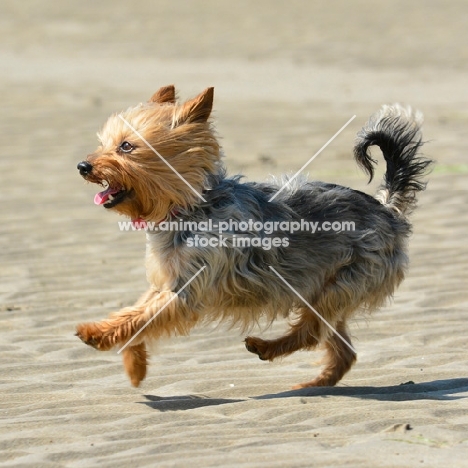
[{"x": 435, "y": 390}]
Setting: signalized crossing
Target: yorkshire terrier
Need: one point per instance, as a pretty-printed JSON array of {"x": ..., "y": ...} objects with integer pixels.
[{"x": 161, "y": 161}]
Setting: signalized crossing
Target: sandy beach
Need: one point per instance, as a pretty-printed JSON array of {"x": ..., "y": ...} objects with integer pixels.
[{"x": 287, "y": 76}]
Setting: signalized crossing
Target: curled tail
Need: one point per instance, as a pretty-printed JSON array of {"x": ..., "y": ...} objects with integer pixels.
[{"x": 396, "y": 130}]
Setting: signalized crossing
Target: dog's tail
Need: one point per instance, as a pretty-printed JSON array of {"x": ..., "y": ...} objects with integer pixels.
[{"x": 396, "y": 130}]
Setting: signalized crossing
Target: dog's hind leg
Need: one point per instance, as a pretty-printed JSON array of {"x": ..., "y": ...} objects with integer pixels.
[
  {"x": 339, "y": 358},
  {"x": 304, "y": 334}
]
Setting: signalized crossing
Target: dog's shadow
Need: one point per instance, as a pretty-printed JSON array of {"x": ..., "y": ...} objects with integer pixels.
[{"x": 435, "y": 390}]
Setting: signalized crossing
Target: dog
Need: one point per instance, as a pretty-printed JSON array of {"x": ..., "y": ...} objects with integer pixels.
[{"x": 160, "y": 162}]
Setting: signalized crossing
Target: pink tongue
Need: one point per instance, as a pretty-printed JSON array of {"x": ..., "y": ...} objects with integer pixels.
[{"x": 103, "y": 196}]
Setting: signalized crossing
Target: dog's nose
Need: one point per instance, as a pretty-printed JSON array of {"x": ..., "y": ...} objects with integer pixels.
[{"x": 84, "y": 167}]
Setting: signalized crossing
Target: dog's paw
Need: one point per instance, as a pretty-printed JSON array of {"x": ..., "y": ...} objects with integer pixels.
[
  {"x": 135, "y": 360},
  {"x": 257, "y": 346},
  {"x": 92, "y": 335},
  {"x": 320, "y": 381}
]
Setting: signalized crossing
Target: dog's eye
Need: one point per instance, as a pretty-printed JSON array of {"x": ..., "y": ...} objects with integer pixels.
[{"x": 126, "y": 147}]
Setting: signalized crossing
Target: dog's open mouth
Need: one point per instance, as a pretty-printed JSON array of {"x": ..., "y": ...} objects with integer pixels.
[{"x": 110, "y": 197}]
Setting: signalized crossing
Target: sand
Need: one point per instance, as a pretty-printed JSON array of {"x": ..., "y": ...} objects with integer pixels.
[{"x": 287, "y": 76}]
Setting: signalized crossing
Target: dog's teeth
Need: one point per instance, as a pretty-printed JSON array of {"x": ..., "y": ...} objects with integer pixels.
[{"x": 111, "y": 197}]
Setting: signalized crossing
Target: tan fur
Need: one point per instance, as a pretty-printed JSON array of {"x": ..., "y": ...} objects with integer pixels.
[
  {"x": 231, "y": 290},
  {"x": 175, "y": 145}
]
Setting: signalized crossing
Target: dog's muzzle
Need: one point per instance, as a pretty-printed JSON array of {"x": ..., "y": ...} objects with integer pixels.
[{"x": 85, "y": 168}]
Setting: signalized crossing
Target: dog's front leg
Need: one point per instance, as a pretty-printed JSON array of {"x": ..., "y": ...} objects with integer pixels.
[{"x": 155, "y": 314}]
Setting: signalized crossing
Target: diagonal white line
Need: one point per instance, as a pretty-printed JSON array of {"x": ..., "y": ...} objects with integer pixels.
[
  {"x": 161, "y": 309},
  {"x": 313, "y": 310},
  {"x": 312, "y": 158},
  {"x": 158, "y": 154}
]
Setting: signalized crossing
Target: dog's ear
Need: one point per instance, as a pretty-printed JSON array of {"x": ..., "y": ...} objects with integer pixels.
[
  {"x": 197, "y": 109},
  {"x": 164, "y": 95}
]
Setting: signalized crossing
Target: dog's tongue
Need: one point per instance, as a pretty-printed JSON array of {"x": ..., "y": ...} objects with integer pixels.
[{"x": 103, "y": 196}]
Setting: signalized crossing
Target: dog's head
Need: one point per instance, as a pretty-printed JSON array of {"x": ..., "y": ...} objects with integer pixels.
[{"x": 155, "y": 157}]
